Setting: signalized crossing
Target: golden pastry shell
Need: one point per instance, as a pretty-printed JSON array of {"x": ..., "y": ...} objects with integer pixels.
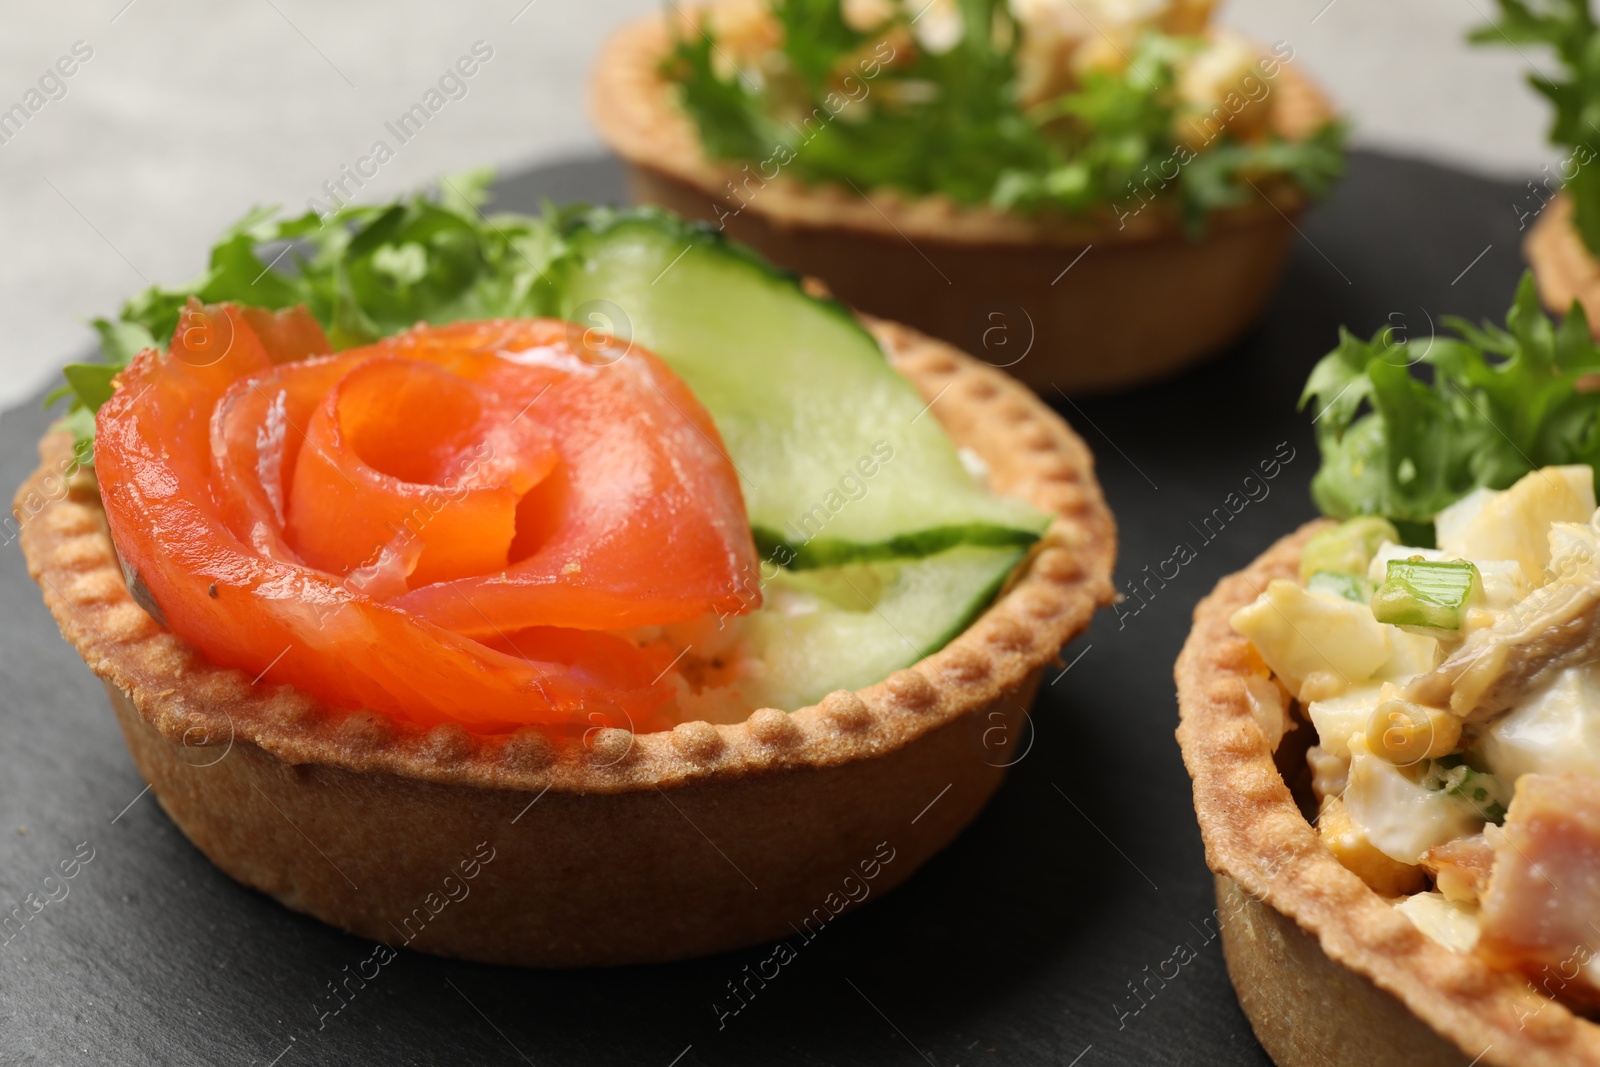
[{"x": 1326, "y": 969}]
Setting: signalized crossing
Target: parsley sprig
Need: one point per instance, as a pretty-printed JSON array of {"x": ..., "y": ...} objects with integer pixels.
[
  {"x": 365, "y": 272},
  {"x": 1494, "y": 404},
  {"x": 1568, "y": 29}
]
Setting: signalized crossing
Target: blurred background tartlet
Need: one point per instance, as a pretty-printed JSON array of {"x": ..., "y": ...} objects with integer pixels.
[{"x": 1022, "y": 179}]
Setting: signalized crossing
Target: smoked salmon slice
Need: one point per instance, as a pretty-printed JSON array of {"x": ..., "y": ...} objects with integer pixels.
[{"x": 442, "y": 526}]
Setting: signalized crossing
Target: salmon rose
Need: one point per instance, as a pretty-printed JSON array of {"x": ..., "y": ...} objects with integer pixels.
[{"x": 443, "y": 526}]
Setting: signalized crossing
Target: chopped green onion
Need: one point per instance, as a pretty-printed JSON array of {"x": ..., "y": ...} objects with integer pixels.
[
  {"x": 1483, "y": 792},
  {"x": 1425, "y": 592},
  {"x": 1348, "y": 548},
  {"x": 1349, "y": 586}
]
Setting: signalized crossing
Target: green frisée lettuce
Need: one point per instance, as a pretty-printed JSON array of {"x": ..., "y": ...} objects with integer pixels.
[
  {"x": 1407, "y": 429},
  {"x": 868, "y": 105},
  {"x": 1568, "y": 29},
  {"x": 364, "y": 271}
]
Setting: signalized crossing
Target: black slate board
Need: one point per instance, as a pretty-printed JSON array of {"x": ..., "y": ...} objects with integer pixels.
[{"x": 1018, "y": 945}]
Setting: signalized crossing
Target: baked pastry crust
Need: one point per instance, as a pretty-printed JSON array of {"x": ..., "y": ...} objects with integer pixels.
[
  {"x": 1307, "y": 1009},
  {"x": 875, "y": 247},
  {"x": 615, "y": 848},
  {"x": 1258, "y": 839}
]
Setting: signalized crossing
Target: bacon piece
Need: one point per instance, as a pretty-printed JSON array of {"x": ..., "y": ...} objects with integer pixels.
[
  {"x": 1461, "y": 868},
  {"x": 1542, "y": 904}
]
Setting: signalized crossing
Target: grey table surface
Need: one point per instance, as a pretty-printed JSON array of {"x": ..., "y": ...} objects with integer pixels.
[{"x": 1017, "y": 945}]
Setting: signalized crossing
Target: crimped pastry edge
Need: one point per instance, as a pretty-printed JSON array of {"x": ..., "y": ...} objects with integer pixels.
[
  {"x": 1030, "y": 450},
  {"x": 1255, "y": 834}
]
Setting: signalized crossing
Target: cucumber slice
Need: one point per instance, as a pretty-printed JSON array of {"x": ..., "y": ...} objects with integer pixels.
[
  {"x": 838, "y": 456},
  {"x": 852, "y": 626}
]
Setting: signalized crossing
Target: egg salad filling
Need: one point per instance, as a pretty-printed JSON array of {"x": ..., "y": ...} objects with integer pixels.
[{"x": 1454, "y": 692}]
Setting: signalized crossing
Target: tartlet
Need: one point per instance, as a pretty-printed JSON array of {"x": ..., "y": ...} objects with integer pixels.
[
  {"x": 1068, "y": 317},
  {"x": 1386, "y": 721},
  {"x": 618, "y": 848},
  {"x": 1328, "y": 970}
]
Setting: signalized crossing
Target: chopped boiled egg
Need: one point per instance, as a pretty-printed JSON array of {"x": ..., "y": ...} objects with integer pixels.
[
  {"x": 1514, "y": 524},
  {"x": 1449, "y": 526},
  {"x": 1354, "y": 850},
  {"x": 1081, "y": 17},
  {"x": 1504, "y": 582},
  {"x": 1453, "y": 925},
  {"x": 1300, "y": 633},
  {"x": 1411, "y": 654},
  {"x": 1555, "y": 731},
  {"x": 866, "y": 15},
  {"x": 1222, "y": 91},
  {"x": 1402, "y": 818},
  {"x": 1573, "y": 548},
  {"x": 1329, "y": 772},
  {"x": 1339, "y": 718},
  {"x": 939, "y": 26}
]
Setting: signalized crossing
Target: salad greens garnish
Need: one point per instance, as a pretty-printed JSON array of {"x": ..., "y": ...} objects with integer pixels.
[
  {"x": 1494, "y": 404},
  {"x": 364, "y": 272},
  {"x": 870, "y": 108},
  {"x": 1568, "y": 28}
]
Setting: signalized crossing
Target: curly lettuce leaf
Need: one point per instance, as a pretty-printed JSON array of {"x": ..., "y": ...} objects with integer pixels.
[
  {"x": 816, "y": 37},
  {"x": 1494, "y": 404},
  {"x": 950, "y": 123},
  {"x": 1102, "y": 137},
  {"x": 732, "y": 127},
  {"x": 1568, "y": 28},
  {"x": 364, "y": 272}
]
